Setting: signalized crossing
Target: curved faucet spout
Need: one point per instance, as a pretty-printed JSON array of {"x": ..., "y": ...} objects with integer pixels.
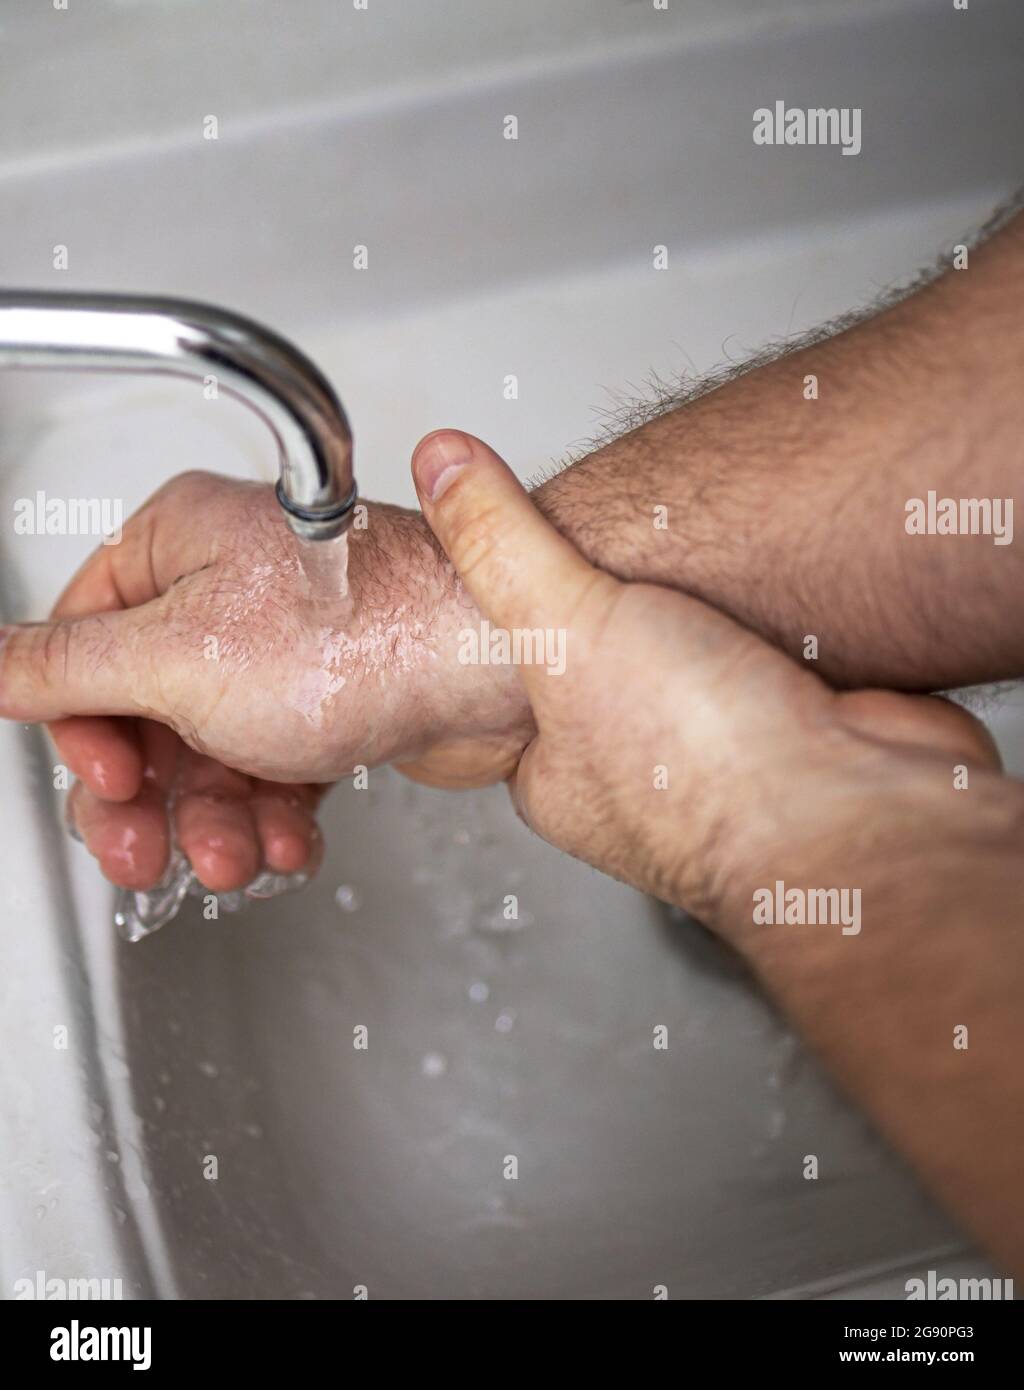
[{"x": 175, "y": 337}]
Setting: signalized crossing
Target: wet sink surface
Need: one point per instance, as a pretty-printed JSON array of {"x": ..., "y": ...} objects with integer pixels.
[{"x": 486, "y": 1040}]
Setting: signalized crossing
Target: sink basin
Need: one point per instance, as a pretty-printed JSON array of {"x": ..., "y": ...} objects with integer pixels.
[{"x": 385, "y": 1169}]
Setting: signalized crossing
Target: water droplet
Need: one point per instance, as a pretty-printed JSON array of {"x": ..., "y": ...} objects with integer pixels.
[
  {"x": 347, "y": 898},
  {"x": 505, "y": 1021},
  {"x": 433, "y": 1064},
  {"x": 209, "y": 1069},
  {"x": 137, "y": 914},
  {"x": 479, "y": 992}
]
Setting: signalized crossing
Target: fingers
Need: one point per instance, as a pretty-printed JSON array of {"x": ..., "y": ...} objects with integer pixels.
[
  {"x": 227, "y": 841},
  {"x": 104, "y": 754},
  {"x": 130, "y": 840},
  {"x": 231, "y": 826},
  {"x": 214, "y": 823},
  {"x": 217, "y": 834},
  {"x": 165, "y": 539},
  {"x": 154, "y": 550},
  {"x": 97, "y": 665},
  {"x": 289, "y": 835},
  {"x": 521, "y": 572}
]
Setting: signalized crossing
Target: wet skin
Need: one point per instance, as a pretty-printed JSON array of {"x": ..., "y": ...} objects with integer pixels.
[{"x": 195, "y": 663}]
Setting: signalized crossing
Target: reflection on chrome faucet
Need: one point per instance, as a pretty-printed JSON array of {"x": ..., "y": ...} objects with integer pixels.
[{"x": 176, "y": 337}]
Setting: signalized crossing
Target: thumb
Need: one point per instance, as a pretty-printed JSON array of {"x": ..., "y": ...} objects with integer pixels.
[
  {"x": 100, "y": 664},
  {"x": 522, "y": 573}
]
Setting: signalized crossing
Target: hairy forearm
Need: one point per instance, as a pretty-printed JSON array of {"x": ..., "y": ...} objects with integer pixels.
[{"x": 790, "y": 513}]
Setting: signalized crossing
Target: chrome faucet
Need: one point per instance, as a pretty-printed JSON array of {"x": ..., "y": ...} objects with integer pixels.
[{"x": 175, "y": 337}]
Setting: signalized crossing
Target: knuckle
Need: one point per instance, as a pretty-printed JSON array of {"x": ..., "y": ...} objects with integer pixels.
[
  {"x": 50, "y": 653},
  {"x": 192, "y": 480},
  {"x": 184, "y": 490},
  {"x": 71, "y": 652}
]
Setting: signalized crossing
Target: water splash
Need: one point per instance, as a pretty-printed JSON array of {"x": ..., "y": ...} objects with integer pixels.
[{"x": 139, "y": 913}]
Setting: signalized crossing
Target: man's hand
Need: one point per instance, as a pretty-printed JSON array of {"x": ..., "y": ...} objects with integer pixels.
[
  {"x": 681, "y": 753},
  {"x": 677, "y": 750},
  {"x": 240, "y": 686}
]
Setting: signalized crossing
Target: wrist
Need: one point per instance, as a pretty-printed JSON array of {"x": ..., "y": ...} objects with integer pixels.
[{"x": 474, "y": 717}]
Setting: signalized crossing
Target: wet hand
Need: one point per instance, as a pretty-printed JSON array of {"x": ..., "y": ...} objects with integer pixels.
[{"x": 196, "y": 659}]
